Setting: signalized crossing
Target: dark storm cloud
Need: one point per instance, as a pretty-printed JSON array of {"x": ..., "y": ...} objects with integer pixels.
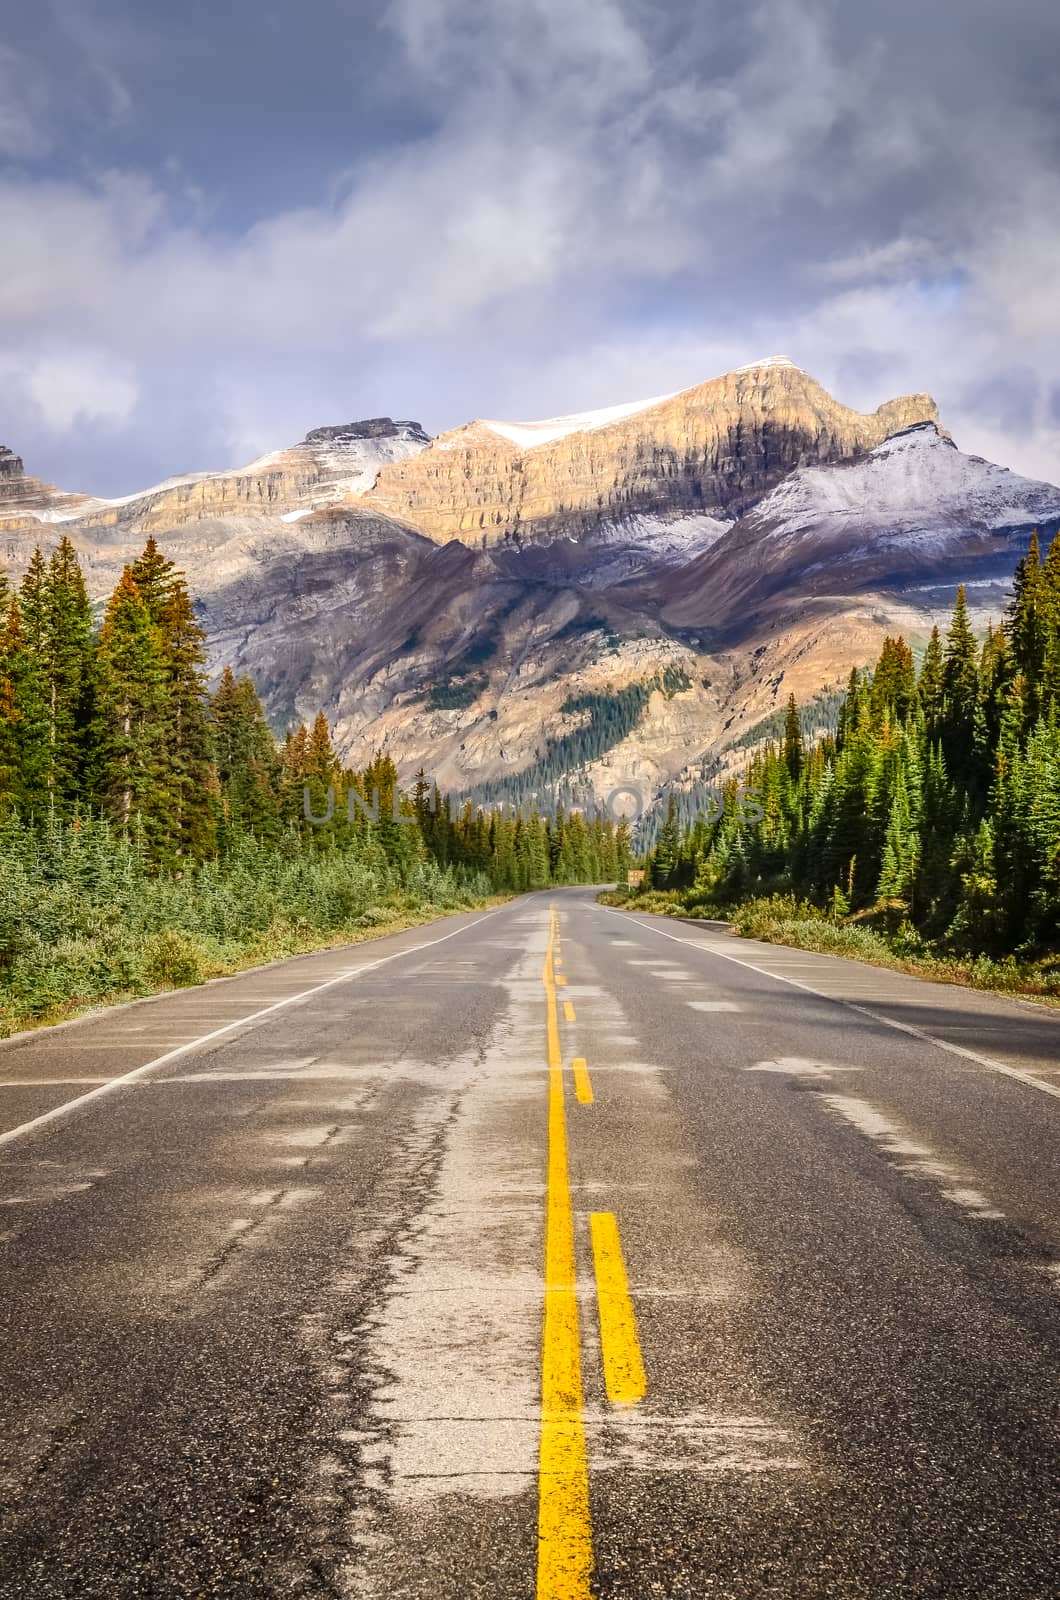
[{"x": 229, "y": 224}]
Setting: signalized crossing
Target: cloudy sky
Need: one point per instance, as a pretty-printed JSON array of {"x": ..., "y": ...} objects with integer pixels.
[{"x": 224, "y": 224}]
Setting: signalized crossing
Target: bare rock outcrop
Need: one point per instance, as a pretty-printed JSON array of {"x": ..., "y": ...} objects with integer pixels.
[
  {"x": 330, "y": 465},
  {"x": 714, "y": 448}
]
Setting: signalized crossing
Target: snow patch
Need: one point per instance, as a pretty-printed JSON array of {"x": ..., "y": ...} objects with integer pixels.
[
  {"x": 915, "y": 483},
  {"x": 529, "y": 435},
  {"x": 15, "y": 510},
  {"x": 770, "y": 361},
  {"x": 676, "y": 536}
]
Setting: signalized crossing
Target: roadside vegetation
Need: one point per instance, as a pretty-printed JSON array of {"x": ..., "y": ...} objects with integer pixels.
[
  {"x": 871, "y": 937},
  {"x": 925, "y": 833},
  {"x": 153, "y": 829}
]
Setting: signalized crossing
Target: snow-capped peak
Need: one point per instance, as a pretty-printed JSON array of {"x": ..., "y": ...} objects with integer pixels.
[
  {"x": 918, "y": 436},
  {"x": 530, "y": 434},
  {"x": 915, "y": 481},
  {"x": 769, "y": 361}
]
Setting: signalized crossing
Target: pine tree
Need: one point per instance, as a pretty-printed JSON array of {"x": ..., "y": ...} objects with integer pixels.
[
  {"x": 247, "y": 764},
  {"x": 1025, "y": 628},
  {"x": 34, "y": 605},
  {"x": 189, "y": 822},
  {"x": 21, "y": 780},
  {"x": 961, "y": 696},
  {"x": 26, "y": 751},
  {"x": 1049, "y": 699},
  {"x": 664, "y": 856},
  {"x": 929, "y": 685},
  {"x": 894, "y": 680},
  {"x": 67, "y": 673},
  {"x": 131, "y": 713},
  {"x": 901, "y": 846},
  {"x": 793, "y": 751}
]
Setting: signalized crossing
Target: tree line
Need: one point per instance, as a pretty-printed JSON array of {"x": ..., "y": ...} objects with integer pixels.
[
  {"x": 936, "y": 801},
  {"x": 117, "y": 722}
]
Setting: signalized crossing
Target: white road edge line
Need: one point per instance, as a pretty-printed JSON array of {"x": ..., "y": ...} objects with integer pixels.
[
  {"x": 112, "y": 1084},
  {"x": 1020, "y": 1076}
]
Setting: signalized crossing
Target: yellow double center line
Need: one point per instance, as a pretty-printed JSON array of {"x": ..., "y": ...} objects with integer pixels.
[
  {"x": 564, "y": 1533},
  {"x": 564, "y": 1529}
]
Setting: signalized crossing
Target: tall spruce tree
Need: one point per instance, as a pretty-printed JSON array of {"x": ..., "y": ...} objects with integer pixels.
[
  {"x": 1025, "y": 630},
  {"x": 1049, "y": 699},
  {"x": 961, "y": 697},
  {"x": 793, "y": 751},
  {"x": 132, "y": 715},
  {"x": 248, "y": 764},
  {"x": 68, "y": 676},
  {"x": 22, "y": 776},
  {"x": 188, "y": 827},
  {"x": 929, "y": 684}
]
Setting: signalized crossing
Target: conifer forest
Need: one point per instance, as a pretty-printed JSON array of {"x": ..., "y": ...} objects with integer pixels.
[
  {"x": 933, "y": 813},
  {"x": 154, "y": 831}
]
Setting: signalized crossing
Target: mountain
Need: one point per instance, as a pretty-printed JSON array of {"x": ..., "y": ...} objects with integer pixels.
[
  {"x": 713, "y": 449},
  {"x": 616, "y": 595},
  {"x": 27, "y": 502},
  {"x": 329, "y": 465}
]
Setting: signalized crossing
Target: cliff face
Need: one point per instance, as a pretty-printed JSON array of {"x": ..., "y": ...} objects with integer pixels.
[
  {"x": 714, "y": 449},
  {"x": 466, "y": 662},
  {"x": 23, "y": 500},
  {"x": 329, "y": 465},
  {"x": 750, "y": 535}
]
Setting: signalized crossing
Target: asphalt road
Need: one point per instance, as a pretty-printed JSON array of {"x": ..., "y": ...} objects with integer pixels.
[{"x": 543, "y": 1254}]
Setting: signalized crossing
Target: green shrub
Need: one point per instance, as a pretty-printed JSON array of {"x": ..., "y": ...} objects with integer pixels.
[
  {"x": 374, "y": 917},
  {"x": 172, "y": 959},
  {"x": 83, "y": 920}
]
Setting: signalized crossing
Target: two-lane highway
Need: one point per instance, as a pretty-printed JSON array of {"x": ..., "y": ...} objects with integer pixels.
[{"x": 548, "y": 1253}]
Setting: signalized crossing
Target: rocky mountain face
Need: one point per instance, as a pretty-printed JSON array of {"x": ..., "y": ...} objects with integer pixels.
[
  {"x": 329, "y": 465},
  {"x": 25, "y": 502},
  {"x": 715, "y": 449},
  {"x": 617, "y": 595}
]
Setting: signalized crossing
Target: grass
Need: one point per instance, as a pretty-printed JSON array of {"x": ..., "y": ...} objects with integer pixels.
[
  {"x": 785, "y": 920},
  {"x": 84, "y": 923},
  {"x": 174, "y": 959}
]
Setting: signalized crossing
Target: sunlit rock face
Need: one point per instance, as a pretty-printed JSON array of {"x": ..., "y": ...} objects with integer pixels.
[
  {"x": 330, "y": 465},
  {"x": 461, "y": 601},
  {"x": 714, "y": 449}
]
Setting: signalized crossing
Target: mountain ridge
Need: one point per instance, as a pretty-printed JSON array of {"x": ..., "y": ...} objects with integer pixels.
[
  {"x": 792, "y": 533},
  {"x": 370, "y": 460},
  {"x": 710, "y": 448}
]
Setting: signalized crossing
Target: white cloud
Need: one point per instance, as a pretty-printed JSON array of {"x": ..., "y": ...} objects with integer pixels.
[
  {"x": 66, "y": 388},
  {"x": 615, "y": 198}
]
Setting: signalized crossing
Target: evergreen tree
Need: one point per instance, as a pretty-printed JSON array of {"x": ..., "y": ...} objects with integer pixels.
[
  {"x": 25, "y": 749},
  {"x": 1025, "y": 628},
  {"x": 894, "y": 680},
  {"x": 929, "y": 685},
  {"x": 1049, "y": 699},
  {"x": 186, "y": 766},
  {"x": 664, "y": 856},
  {"x": 248, "y": 767},
  {"x": 131, "y": 714},
  {"x": 67, "y": 674},
  {"x": 793, "y": 751},
  {"x": 960, "y": 696}
]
